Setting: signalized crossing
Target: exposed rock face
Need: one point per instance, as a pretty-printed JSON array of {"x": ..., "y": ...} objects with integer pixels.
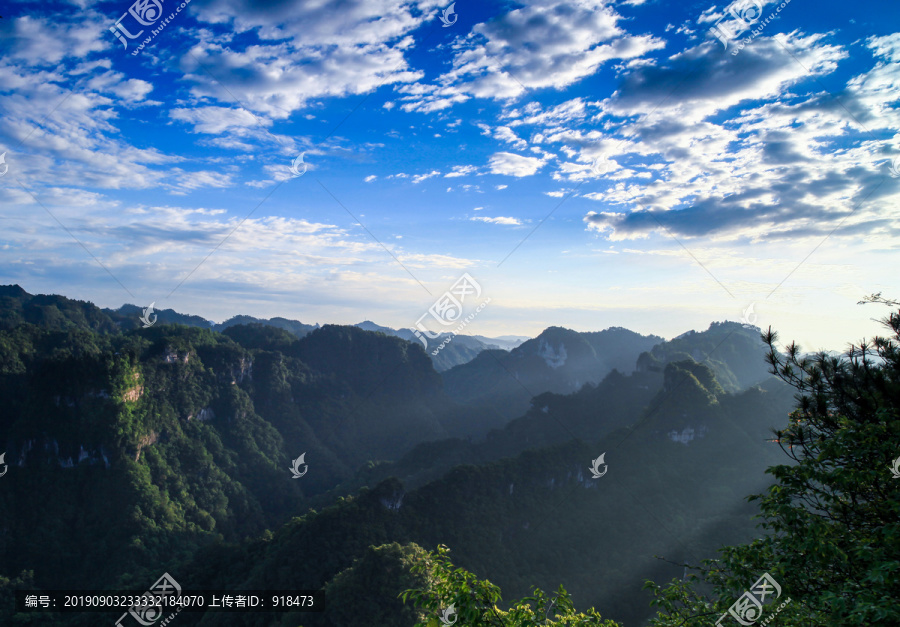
[
  {"x": 172, "y": 356},
  {"x": 553, "y": 357},
  {"x": 203, "y": 415},
  {"x": 52, "y": 451},
  {"x": 393, "y": 502},
  {"x": 244, "y": 369},
  {"x": 147, "y": 440},
  {"x": 390, "y": 494},
  {"x": 688, "y": 434},
  {"x": 132, "y": 394}
]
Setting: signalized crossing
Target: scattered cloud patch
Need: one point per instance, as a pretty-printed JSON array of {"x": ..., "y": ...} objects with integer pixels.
[
  {"x": 498, "y": 220},
  {"x": 514, "y": 165}
]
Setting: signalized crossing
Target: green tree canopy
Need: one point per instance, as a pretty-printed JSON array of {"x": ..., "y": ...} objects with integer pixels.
[
  {"x": 456, "y": 595},
  {"x": 832, "y": 518},
  {"x": 367, "y": 593}
]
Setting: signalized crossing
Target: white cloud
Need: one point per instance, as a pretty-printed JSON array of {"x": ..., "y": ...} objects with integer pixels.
[
  {"x": 514, "y": 165},
  {"x": 499, "y": 220},
  {"x": 40, "y": 42},
  {"x": 506, "y": 134},
  {"x": 545, "y": 43},
  {"x": 710, "y": 80},
  {"x": 127, "y": 91},
  {"x": 160, "y": 245},
  {"x": 308, "y": 51},
  {"x": 418, "y": 178},
  {"x": 563, "y": 113},
  {"x": 277, "y": 79},
  {"x": 65, "y": 135},
  {"x": 461, "y": 170},
  {"x": 218, "y": 120},
  {"x": 357, "y": 23},
  {"x": 190, "y": 181}
]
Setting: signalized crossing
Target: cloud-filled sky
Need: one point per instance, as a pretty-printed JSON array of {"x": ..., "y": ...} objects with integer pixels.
[{"x": 647, "y": 164}]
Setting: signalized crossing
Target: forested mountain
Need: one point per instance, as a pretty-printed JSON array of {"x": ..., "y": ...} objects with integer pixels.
[
  {"x": 733, "y": 352},
  {"x": 169, "y": 448},
  {"x": 129, "y": 447},
  {"x": 52, "y": 312},
  {"x": 537, "y": 518},
  {"x": 463, "y": 348},
  {"x": 501, "y": 384},
  {"x": 57, "y": 312},
  {"x": 562, "y": 361},
  {"x": 293, "y": 326}
]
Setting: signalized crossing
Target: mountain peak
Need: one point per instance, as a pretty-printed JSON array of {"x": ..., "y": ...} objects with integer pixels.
[{"x": 14, "y": 291}]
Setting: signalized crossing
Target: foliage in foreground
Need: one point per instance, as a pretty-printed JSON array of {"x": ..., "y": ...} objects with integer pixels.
[
  {"x": 458, "y": 596},
  {"x": 366, "y": 594},
  {"x": 832, "y": 536}
]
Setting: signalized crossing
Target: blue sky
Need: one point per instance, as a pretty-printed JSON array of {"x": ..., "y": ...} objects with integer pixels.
[{"x": 590, "y": 163}]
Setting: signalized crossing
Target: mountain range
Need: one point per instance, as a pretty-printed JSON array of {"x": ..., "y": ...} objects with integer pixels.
[
  {"x": 135, "y": 451},
  {"x": 462, "y": 349}
]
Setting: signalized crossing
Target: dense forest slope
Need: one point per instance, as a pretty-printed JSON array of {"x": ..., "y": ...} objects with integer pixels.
[
  {"x": 540, "y": 518},
  {"x": 169, "y": 448},
  {"x": 130, "y": 449}
]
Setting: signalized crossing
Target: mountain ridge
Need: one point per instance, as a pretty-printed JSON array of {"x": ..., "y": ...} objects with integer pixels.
[{"x": 169, "y": 448}]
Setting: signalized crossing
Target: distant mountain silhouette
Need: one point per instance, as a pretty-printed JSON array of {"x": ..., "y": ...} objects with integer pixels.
[
  {"x": 558, "y": 360},
  {"x": 462, "y": 348},
  {"x": 59, "y": 312}
]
